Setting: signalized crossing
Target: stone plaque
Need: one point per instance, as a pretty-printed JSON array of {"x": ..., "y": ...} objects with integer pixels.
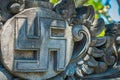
[
  {"x": 36, "y": 41},
  {"x": 40, "y": 41}
]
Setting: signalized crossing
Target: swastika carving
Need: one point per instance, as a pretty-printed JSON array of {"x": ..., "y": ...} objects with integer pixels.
[{"x": 28, "y": 37}]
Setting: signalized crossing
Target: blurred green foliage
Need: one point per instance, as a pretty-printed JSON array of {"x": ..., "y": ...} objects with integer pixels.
[
  {"x": 95, "y": 3},
  {"x": 53, "y": 1},
  {"x": 101, "y": 34}
]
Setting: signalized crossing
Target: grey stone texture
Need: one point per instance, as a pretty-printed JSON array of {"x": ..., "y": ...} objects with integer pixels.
[{"x": 42, "y": 41}]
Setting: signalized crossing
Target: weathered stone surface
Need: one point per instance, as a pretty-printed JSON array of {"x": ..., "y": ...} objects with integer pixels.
[
  {"x": 109, "y": 60},
  {"x": 14, "y": 8},
  {"x": 80, "y": 62},
  {"x": 92, "y": 62},
  {"x": 70, "y": 70},
  {"x": 32, "y": 49},
  {"x": 86, "y": 69},
  {"x": 118, "y": 50},
  {"x": 118, "y": 40},
  {"x": 86, "y": 58},
  {"x": 76, "y": 33},
  {"x": 55, "y": 42},
  {"x": 93, "y": 42},
  {"x": 4, "y": 12},
  {"x": 100, "y": 41},
  {"x": 95, "y": 52},
  {"x": 79, "y": 49},
  {"x": 66, "y": 8},
  {"x": 2, "y": 76},
  {"x": 79, "y": 72},
  {"x": 1, "y": 25},
  {"x": 101, "y": 67},
  {"x": 38, "y": 3},
  {"x": 100, "y": 26}
]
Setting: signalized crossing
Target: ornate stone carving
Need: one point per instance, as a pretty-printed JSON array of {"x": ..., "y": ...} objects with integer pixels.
[{"x": 41, "y": 41}]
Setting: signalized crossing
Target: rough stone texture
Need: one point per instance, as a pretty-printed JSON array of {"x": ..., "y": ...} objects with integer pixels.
[
  {"x": 101, "y": 67},
  {"x": 108, "y": 58},
  {"x": 4, "y": 10},
  {"x": 79, "y": 72},
  {"x": 95, "y": 52},
  {"x": 38, "y": 3},
  {"x": 86, "y": 69},
  {"x": 2, "y": 76},
  {"x": 76, "y": 33},
  {"x": 118, "y": 40},
  {"x": 86, "y": 58},
  {"x": 80, "y": 62},
  {"x": 100, "y": 41},
  {"x": 41, "y": 41},
  {"x": 14, "y": 8},
  {"x": 50, "y": 53},
  {"x": 80, "y": 50},
  {"x": 99, "y": 26},
  {"x": 66, "y": 8},
  {"x": 92, "y": 62}
]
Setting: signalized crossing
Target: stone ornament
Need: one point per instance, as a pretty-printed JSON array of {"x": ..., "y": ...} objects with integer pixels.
[{"x": 40, "y": 41}]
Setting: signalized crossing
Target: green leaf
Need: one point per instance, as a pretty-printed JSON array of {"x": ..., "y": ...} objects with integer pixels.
[{"x": 53, "y": 1}]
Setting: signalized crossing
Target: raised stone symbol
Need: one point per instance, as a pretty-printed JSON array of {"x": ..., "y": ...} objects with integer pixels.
[
  {"x": 38, "y": 44},
  {"x": 30, "y": 38},
  {"x": 46, "y": 43}
]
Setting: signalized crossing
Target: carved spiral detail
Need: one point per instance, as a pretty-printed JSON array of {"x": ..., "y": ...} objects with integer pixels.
[
  {"x": 82, "y": 36},
  {"x": 92, "y": 57},
  {"x": 101, "y": 53}
]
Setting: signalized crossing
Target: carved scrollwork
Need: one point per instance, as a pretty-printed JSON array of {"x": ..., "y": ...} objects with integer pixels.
[
  {"x": 81, "y": 37},
  {"x": 70, "y": 49},
  {"x": 102, "y": 52}
]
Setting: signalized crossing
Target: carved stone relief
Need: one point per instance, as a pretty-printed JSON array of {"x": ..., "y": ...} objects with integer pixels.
[{"x": 40, "y": 41}]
